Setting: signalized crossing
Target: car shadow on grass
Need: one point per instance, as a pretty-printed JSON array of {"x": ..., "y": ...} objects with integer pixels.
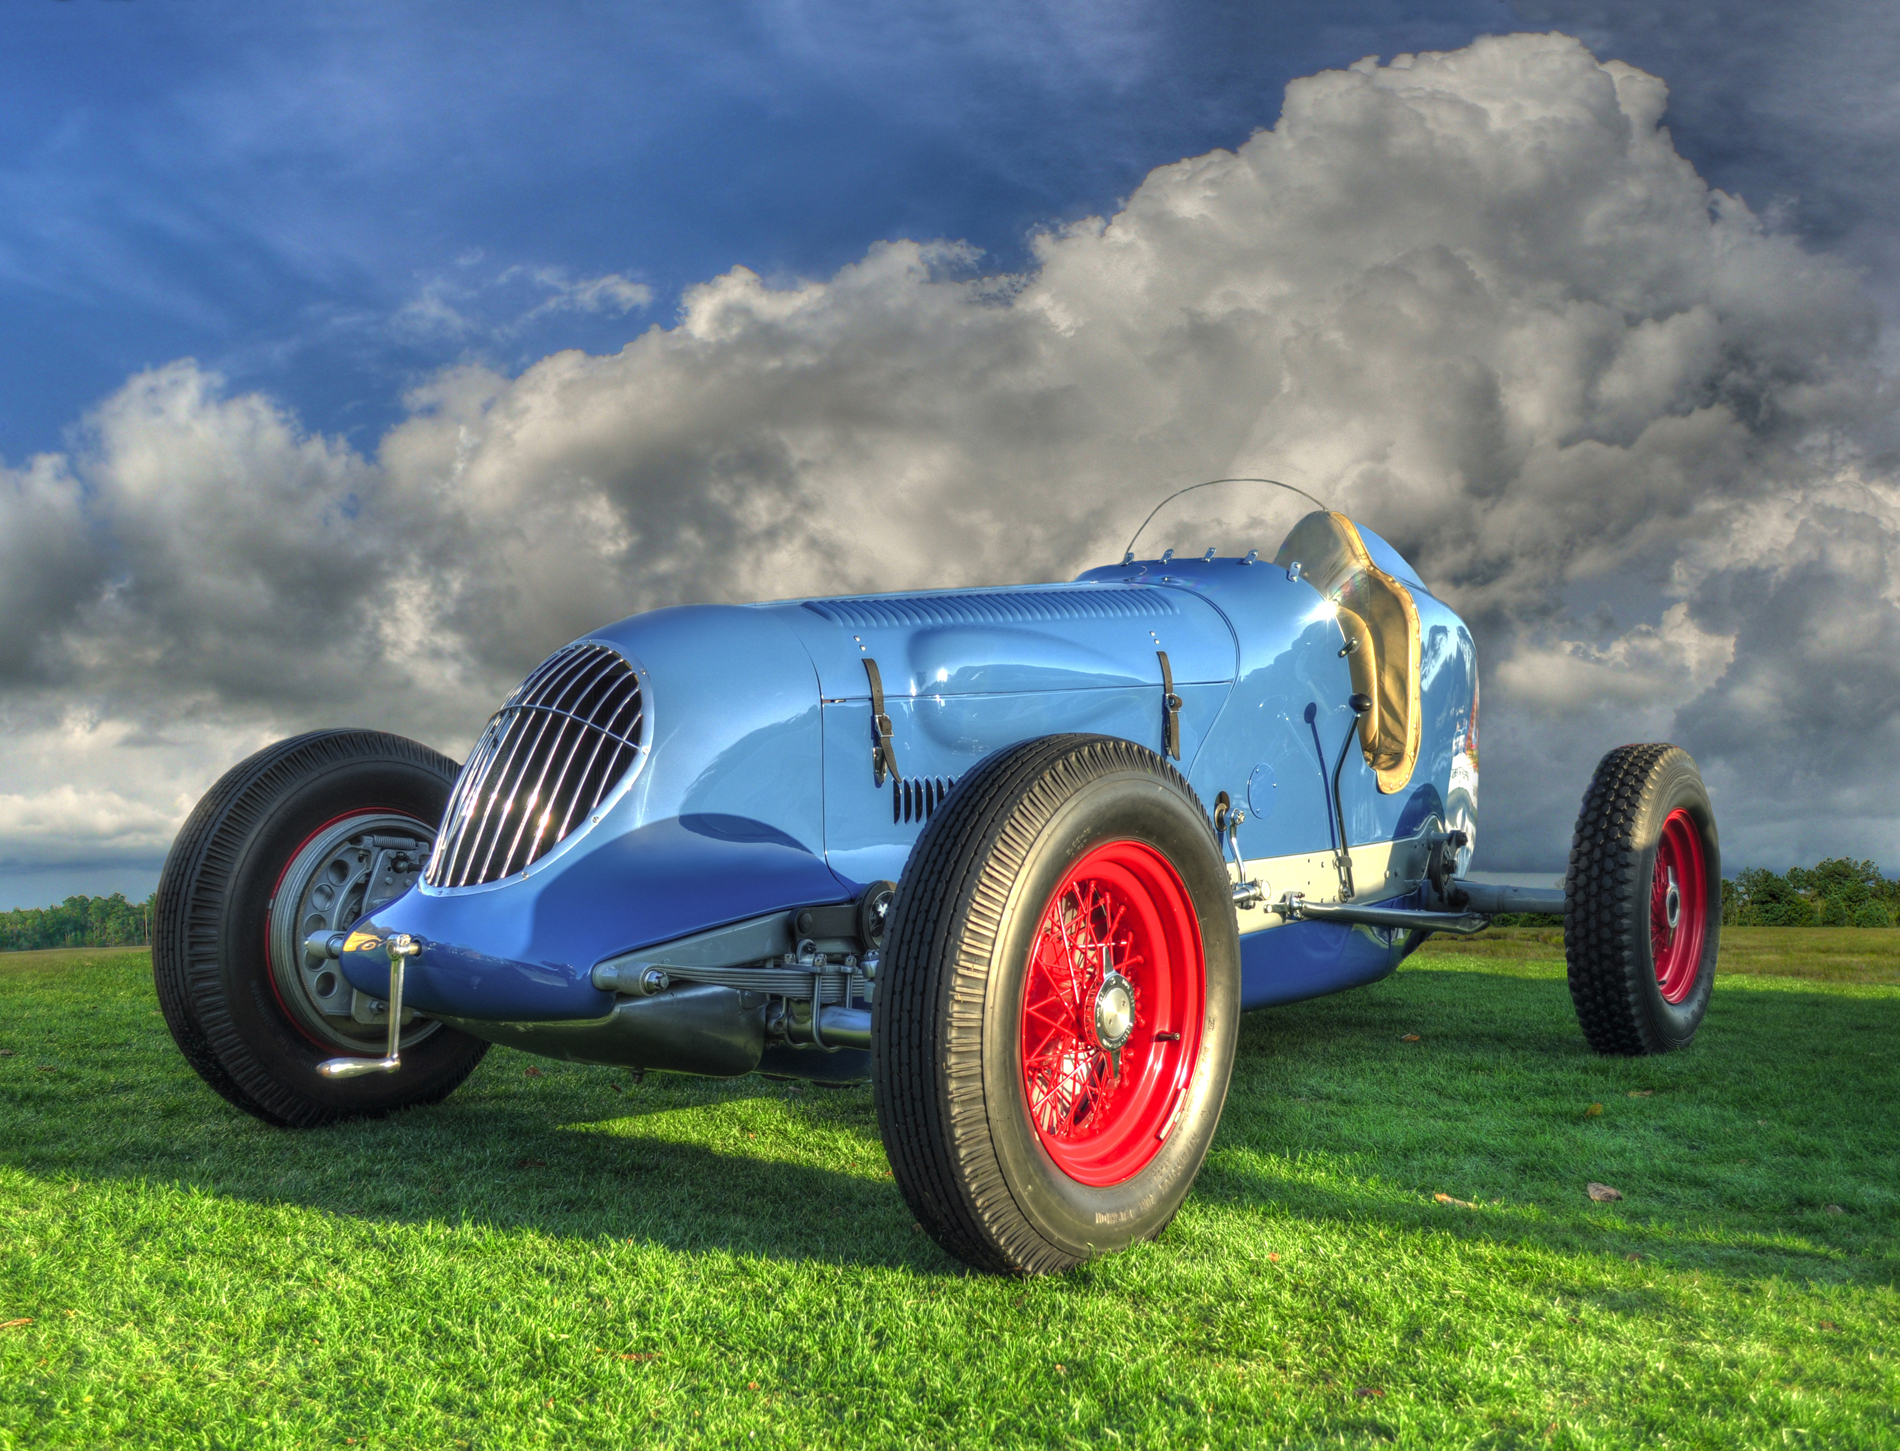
[
  {"x": 743, "y": 1167},
  {"x": 1727, "y": 1152}
]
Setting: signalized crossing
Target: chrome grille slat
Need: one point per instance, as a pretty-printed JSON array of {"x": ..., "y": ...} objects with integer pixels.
[
  {"x": 516, "y": 730},
  {"x": 630, "y": 734},
  {"x": 537, "y": 727},
  {"x": 601, "y": 738},
  {"x": 468, "y": 825},
  {"x": 456, "y": 839},
  {"x": 461, "y": 802},
  {"x": 553, "y": 678},
  {"x": 528, "y": 735},
  {"x": 579, "y": 692},
  {"x": 488, "y": 791},
  {"x": 559, "y": 744},
  {"x": 561, "y": 721},
  {"x": 595, "y": 725},
  {"x": 529, "y": 732}
]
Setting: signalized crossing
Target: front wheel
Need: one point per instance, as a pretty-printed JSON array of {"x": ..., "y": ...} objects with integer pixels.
[
  {"x": 290, "y": 846},
  {"x": 1643, "y": 902},
  {"x": 1056, "y": 1012}
]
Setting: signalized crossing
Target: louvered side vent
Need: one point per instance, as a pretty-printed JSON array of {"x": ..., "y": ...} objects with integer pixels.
[
  {"x": 915, "y": 798},
  {"x": 556, "y": 747},
  {"x": 1033, "y": 606}
]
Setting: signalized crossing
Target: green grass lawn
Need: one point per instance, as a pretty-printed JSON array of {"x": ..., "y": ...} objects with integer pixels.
[
  {"x": 559, "y": 1256},
  {"x": 1832, "y": 954}
]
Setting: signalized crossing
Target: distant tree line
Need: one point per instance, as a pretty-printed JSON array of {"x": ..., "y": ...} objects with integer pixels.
[
  {"x": 79, "y": 922},
  {"x": 1839, "y": 892}
]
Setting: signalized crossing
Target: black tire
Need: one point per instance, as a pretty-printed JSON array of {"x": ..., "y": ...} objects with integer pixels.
[
  {"x": 948, "y": 1055},
  {"x": 210, "y": 960},
  {"x": 1617, "y": 939}
]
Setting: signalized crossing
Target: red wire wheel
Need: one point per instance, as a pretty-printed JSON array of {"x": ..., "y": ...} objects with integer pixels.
[
  {"x": 1112, "y": 1013},
  {"x": 1678, "y": 907},
  {"x": 1057, "y": 1005}
]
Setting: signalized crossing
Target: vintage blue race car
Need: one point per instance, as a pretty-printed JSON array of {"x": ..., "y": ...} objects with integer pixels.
[{"x": 1020, "y": 856}]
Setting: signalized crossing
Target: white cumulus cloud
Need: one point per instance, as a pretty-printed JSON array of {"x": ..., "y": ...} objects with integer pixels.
[{"x": 1474, "y": 299}]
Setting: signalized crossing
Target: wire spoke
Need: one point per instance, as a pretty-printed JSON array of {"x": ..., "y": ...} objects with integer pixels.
[{"x": 1115, "y": 956}]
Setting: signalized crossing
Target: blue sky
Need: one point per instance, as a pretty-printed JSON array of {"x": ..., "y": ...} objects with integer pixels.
[
  {"x": 362, "y": 220},
  {"x": 267, "y": 187}
]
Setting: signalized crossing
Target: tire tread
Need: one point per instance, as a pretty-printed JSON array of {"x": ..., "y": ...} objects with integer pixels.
[
  {"x": 1606, "y": 903},
  {"x": 955, "y": 893},
  {"x": 194, "y": 887}
]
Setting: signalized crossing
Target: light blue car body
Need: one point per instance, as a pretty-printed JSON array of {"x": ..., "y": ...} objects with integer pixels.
[{"x": 753, "y": 791}]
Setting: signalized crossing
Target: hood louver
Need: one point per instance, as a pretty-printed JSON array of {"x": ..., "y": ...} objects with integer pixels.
[
  {"x": 549, "y": 756},
  {"x": 916, "y": 798}
]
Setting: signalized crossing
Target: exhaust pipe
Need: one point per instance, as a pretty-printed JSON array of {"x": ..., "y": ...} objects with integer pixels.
[{"x": 827, "y": 1026}]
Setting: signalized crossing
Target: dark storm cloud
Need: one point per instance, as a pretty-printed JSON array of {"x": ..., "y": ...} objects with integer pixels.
[{"x": 1795, "y": 107}]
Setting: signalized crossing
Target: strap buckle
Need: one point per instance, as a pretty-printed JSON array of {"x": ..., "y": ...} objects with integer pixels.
[
  {"x": 883, "y": 751},
  {"x": 1170, "y": 710}
]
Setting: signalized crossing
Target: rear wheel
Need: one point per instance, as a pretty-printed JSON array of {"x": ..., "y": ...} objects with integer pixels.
[
  {"x": 1056, "y": 1012},
  {"x": 295, "y": 843},
  {"x": 1643, "y": 902}
]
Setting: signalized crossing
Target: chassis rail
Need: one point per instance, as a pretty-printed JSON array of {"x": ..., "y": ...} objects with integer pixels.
[{"x": 1468, "y": 908}]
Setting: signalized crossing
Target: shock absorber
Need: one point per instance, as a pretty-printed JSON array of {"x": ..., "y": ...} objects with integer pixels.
[{"x": 1360, "y": 704}]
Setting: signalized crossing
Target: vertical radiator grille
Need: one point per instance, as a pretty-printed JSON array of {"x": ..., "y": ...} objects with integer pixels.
[
  {"x": 555, "y": 748},
  {"x": 914, "y": 799}
]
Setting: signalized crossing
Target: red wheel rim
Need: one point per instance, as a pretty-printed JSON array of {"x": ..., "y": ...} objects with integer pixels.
[
  {"x": 1678, "y": 907},
  {"x": 1104, "y": 1104}
]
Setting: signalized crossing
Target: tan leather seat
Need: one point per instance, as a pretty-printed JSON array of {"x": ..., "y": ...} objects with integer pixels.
[{"x": 1378, "y": 612}]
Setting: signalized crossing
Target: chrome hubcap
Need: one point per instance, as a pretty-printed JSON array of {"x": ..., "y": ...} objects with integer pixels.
[
  {"x": 1114, "y": 1011},
  {"x": 1672, "y": 901},
  {"x": 343, "y": 873}
]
